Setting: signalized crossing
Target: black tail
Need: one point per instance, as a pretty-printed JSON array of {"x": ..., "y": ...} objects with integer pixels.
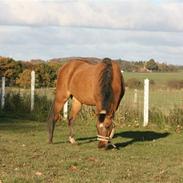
[
  {"x": 51, "y": 124},
  {"x": 106, "y": 85}
]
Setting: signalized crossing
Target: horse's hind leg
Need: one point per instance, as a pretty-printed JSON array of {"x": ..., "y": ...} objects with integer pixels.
[
  {"x": 55, "y": 115},
  {"x": 76, "y": 106}
]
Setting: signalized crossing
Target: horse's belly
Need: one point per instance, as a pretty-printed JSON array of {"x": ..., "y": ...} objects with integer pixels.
[
  {"x": 83, "y": 92},
  {"x": 83, "y": 98}
]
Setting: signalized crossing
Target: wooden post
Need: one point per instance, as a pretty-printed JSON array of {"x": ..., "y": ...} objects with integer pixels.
[
  {"x": 146, "y": 102},
  {"x": 65, "y": 110},
  {"x": 32, "y": 89},
  {"x": 3, "y": 93},
  {"x": 135, "y": 97}
]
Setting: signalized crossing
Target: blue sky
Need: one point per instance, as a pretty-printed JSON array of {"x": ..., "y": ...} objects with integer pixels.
[{"x": 126, "y": 29}]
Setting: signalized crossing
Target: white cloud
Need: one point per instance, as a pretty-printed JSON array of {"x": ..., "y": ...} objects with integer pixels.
[
  {"x": 134, "y": 14},
  {"x": 130, "y": 29}
]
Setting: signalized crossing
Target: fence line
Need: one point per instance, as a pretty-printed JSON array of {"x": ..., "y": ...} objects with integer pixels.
[
  {"x": 3, "y": 93},
  {"x": 137, "y": 105},
  {"x": 65, "y": 108}
]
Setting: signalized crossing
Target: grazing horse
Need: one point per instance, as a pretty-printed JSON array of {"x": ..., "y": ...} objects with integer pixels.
[{"x": 97, "y": 84}]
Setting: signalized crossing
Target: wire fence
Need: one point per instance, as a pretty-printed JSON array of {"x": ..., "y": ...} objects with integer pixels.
[{"x": 131, "y": 108}]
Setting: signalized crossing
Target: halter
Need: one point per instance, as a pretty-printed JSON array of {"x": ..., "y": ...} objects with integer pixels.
[
  {"x": 103, "y": 138},
  {"x": 106, "y": 139}
]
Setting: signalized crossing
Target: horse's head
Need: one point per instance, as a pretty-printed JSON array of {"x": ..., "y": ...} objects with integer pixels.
[{"x": 105, "y": 129}]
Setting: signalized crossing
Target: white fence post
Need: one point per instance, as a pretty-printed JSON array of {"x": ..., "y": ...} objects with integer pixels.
[
  {"x": 146, "y": 102},
  {"x": 135, "y": 96},
  {"x": 3, "y": 93},
  {"x": 65, "y": 110},
  {"x": 32, "y": 89}
]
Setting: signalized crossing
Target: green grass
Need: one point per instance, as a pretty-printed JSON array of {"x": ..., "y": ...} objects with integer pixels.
[
  {"x": 159, "y": 78},
  {"x": 165, "y": 100},
  {"x": 144, "y": 154}
]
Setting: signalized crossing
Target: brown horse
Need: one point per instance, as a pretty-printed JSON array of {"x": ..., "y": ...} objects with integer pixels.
[{"x": 97, "y": 84}]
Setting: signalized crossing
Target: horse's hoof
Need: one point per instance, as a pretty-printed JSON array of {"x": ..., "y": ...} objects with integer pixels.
[
  {"x": 101, "y": 145},
  {"x": 72, "y": 140},
  {"x": 50, "y": 142}
]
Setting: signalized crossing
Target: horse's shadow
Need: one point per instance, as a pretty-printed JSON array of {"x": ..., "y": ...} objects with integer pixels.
[
  {"x": 134, "y": 136},
  {"x": 86, "y": 140},
  {"x": 138, "y": 136},
  {"x": 80, "y": 141}
]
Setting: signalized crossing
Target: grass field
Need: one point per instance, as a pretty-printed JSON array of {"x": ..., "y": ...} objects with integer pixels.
[
  {"x": 143, "y": 155},
  {"x": 159, "y": 77}
]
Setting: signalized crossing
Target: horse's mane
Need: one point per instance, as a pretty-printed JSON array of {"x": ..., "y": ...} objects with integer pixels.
[{"x": 106, "y": 84}]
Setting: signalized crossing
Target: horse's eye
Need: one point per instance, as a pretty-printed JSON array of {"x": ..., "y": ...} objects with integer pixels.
[{"x": 108, "y": 126}]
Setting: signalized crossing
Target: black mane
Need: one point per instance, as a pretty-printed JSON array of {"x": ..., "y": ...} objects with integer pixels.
[{"x": 106, "y": 84}]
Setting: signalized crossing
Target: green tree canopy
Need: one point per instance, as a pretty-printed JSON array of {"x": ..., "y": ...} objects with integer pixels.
[
  {"x": 45, "y": 75},
  {"x": 151, "y": 65}
]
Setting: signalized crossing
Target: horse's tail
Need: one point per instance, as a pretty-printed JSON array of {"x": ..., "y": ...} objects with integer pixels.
[
  {"x": 50, "y": 123},
  {"x": 106, "y": 86}
]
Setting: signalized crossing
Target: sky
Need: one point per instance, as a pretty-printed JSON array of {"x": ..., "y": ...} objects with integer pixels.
[{"x": 126, "y": 29}]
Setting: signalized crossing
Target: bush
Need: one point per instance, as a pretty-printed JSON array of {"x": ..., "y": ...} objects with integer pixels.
[
  {"x": 17, "y": 105},
  {"x": 134, "y": 83},
  {"x": 152, "y": 82},
  {"x": 42, "y": 108},
  {"x": 158, "y": 117},
  {"x": 127, "y": 115},
  {"x": 175, "y": 84},
  {"x": 175, "y": 117}
]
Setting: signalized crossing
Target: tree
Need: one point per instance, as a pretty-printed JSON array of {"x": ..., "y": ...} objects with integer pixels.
[
  {"x": 10, "y": 69},
  {"x": 45, "y": 75},
  {"x": 151, "y": 65},
  {"x": 55, "y": 65},
  {"x": 24, "y": 79}
]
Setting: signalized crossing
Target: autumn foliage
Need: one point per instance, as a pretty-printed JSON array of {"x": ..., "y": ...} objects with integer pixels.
[{"x": 18, "y": 73}]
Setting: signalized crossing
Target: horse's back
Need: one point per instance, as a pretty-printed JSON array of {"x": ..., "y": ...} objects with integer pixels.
[
  {"x": 81, "y": 79},
  {"x": 78, "y": 79}
]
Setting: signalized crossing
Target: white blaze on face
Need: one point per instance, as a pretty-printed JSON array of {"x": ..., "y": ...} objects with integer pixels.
[{"x": 101, "y": 125}]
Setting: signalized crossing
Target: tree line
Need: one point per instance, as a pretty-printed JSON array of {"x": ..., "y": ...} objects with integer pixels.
[
  {"x": 147, "y": 66},
  {"x": 18, "y": 73}
]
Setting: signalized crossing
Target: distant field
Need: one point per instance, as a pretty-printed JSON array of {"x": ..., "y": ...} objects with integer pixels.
[
  {"x": 159, "y": 78},
  {"x": 161, "y": 97}
]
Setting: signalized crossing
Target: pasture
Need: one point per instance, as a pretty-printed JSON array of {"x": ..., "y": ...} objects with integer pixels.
[
  {"x": 143, "y": 154},
  {"x": 151, "y": 154},
  {"x": 159, "y": 78}
]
